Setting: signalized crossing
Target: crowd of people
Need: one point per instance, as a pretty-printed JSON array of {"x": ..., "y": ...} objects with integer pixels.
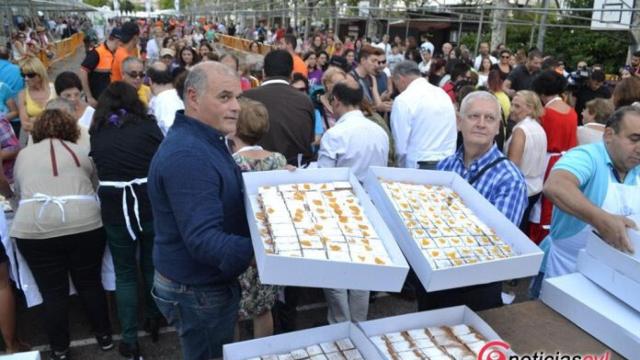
[{"x": 136, "y": 159}]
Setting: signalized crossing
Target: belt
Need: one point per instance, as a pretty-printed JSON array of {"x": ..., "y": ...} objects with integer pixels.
[
  {"x": 124, "y": 185},
  {"x": 57, "y": 200}
]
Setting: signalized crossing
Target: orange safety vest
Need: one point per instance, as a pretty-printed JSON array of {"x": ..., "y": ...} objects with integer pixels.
[{"x": 106, "y": 59}]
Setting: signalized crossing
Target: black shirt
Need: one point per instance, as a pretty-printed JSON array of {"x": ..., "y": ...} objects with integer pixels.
[
  {"x": 520, "y": 78},
  {"x": 584, "y": 94},
  {"x": 123, "y": 154},
  {"x": 98, "y": 81},
  {"x": 503, "y": 75}
]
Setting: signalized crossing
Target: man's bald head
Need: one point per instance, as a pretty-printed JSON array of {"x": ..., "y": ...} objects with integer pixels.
[
  {"x": 159, "y": 74},
  {"x": 4, "y": 53},
  {"x": 348, "y": 92},
  {"x": 203, "y": 73}
]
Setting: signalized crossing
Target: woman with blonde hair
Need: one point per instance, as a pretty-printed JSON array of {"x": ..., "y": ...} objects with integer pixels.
[
  {"x": 253, "y": 122},
  {"x": 527, "y": 145},
  {"x": 35, "y": 95}
]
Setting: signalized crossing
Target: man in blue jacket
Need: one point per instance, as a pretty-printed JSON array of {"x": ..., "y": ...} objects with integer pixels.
[{"x": 202, "y": 239}]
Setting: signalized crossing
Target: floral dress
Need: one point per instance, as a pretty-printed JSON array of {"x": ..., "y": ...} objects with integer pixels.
[{"x": 256, "y": 299}]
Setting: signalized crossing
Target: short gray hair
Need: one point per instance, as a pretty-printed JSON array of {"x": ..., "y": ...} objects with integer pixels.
[
  {"x": 61, "y": 104},
  {"x": 406, "y": 68},
  {"x": 479, "y": 95},
  {"x": 197, "y": 78},
  {"x": 130, "y": 60}
]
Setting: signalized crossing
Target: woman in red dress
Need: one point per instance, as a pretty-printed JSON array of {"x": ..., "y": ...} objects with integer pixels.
[{"x": 560, "y": 122}]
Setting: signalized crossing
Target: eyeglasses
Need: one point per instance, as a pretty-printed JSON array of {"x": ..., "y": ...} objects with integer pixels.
[
  {"x": 29, "y": 75},
  {"x": 136, "y": 74},
  {"x": 382, "y": 62}
]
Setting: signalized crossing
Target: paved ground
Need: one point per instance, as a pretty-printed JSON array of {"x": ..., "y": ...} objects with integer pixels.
[{"x": 312, "y": 312}]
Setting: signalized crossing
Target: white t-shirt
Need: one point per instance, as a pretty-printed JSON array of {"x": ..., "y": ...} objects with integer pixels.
[
  {"x": 164, "y": 106},
  {"x": 87, "y": 117}
]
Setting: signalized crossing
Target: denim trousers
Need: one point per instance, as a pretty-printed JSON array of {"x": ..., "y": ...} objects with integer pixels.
[
  {"x": 204, "y": 316},
  {"x": 127, "y": 254},
  {"x": 52, "y": 261}
]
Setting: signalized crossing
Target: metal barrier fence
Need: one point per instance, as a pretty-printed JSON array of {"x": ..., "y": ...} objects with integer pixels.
[
  {"x": 242, "y": 44},
  {"x": 62, "y": 49}
]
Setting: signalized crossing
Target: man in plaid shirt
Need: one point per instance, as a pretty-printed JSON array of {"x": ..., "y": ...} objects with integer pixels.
[{"x": 496, "y": 178}]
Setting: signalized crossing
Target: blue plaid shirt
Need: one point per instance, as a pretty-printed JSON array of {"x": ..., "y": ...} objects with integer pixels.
[{"x": 503, "y": 185}]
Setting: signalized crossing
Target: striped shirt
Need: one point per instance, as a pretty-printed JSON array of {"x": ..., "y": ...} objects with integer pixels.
[{"x": 503, "y": 185}]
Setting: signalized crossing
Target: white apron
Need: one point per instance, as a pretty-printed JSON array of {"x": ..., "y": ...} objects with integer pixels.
[
  {"x": 21, "y": 273},
  {"x": 621, "y": 199},
  {"x": 128, "y": 185}
]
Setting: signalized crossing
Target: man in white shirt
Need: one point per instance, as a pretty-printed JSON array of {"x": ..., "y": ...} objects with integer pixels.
[
  {"x": 154, "y": 45},
  {"x": 384, "y": 45},
  {"x": 166, "y": 101},
  {"x": 423, "y": 119},
  {"x": 483, "y": 52},
  {"x": 357, "y": 143}
]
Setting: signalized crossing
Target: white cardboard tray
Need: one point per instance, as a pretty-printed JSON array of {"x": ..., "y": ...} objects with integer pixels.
[
  {"x": 606, "y": 276},
  {"x": 298, "y": 339},
  {"x": 524, "y": 265},
  {"x": 596, "y": 311},
  {"x": 626, "y": 264},
  {"x": 281, "y": 270},
  {"x": 450, "y": 316}
]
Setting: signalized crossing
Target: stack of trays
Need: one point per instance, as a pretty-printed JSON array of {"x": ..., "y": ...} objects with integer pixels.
[
  {"x": 447, "y": 231},
  {"x": 322, "y": 221}
]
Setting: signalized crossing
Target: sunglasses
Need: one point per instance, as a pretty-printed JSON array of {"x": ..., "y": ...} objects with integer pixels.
[
  {"x": 382, "y": 62},
  {"x": 29, "y": 75},
  {"x": 135, "y": 74}
]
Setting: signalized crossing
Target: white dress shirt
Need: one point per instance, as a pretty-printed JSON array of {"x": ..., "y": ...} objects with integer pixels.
[
  {"x": 153, "y": 50},
  {"x": 355, "y": 142},
  {"x": 478, "y": 61},
  {"x": 423, "y": 124},
  {"x": 164, "y": 106}
]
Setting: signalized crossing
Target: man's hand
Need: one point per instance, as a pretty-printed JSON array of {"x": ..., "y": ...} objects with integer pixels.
[
  {"x": 613, "y": 229},
  {"x": 384, "y": 106}
]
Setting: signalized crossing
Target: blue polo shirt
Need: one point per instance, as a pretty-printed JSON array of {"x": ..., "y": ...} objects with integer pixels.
[
  {"x": 592, "y": 166},
  {"x": 195, "y": 188}
]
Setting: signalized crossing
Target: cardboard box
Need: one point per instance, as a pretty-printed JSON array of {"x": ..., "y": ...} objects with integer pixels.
[
  {"x": 281, "y": 270},
  {"x": 30, "y": 355},
  {"x": 299, "y": 339},
  {"x": 626, "y": 264},
  {"x": 524, "y": 265},
  {"x": 448, "y": 316},
  {"x": 606, "y": 276},
  {"x": 596, "y": 311}
]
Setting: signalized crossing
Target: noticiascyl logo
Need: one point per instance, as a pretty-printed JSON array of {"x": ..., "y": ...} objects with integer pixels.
[{"x": 494, "y": 350}]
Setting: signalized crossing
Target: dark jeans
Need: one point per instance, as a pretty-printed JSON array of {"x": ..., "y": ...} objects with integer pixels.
[
  {"x": 285, "y": 313},
  {"x": 51, "y": 262},
  {"x": 524, "y": 224},
  {"x": 124, "y": 251},
  {"x": 204, "y": 316}
]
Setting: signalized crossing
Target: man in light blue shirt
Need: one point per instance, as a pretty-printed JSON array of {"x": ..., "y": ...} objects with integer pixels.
[
  {"x": 595, "y": 187},
  {"x": 10, "y": 73}
]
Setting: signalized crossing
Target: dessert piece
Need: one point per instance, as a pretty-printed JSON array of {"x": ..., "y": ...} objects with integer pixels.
[
  {"x": 400, "y": 346},
  {"x": 434, "y": 352},
  {"x": 426, "y": 243},
  {"x": 443, "y": 264},
  {"x": 299, "y": 354},
  {"x": 475, "y": 347},
  {"x": 291, "y": 253},
  {"x": 269, "y": 357},
  {"x": 330, "y": 346},
  {"x": 394, "y": 337},
  {"x": 470, "y": 338},
  {"x": 461, "y": 329},
  {"x": 424, "y": 343},
  {"x": 410, "y": 355},
  {"x": 314, "y": 254},
  {"x": 418, "y": 334},
  {"x": 319, "y": 357},
  {"x": 314, "y": 350},
  {"x": 345, "y": 344},
  {"x": 437, "y": 331},
  {"x": 353, "y": 354},
  {"x": 335, "y": 356}
]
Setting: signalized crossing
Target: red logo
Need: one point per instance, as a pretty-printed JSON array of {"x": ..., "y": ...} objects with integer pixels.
[{"x": 494, "y": 350}]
